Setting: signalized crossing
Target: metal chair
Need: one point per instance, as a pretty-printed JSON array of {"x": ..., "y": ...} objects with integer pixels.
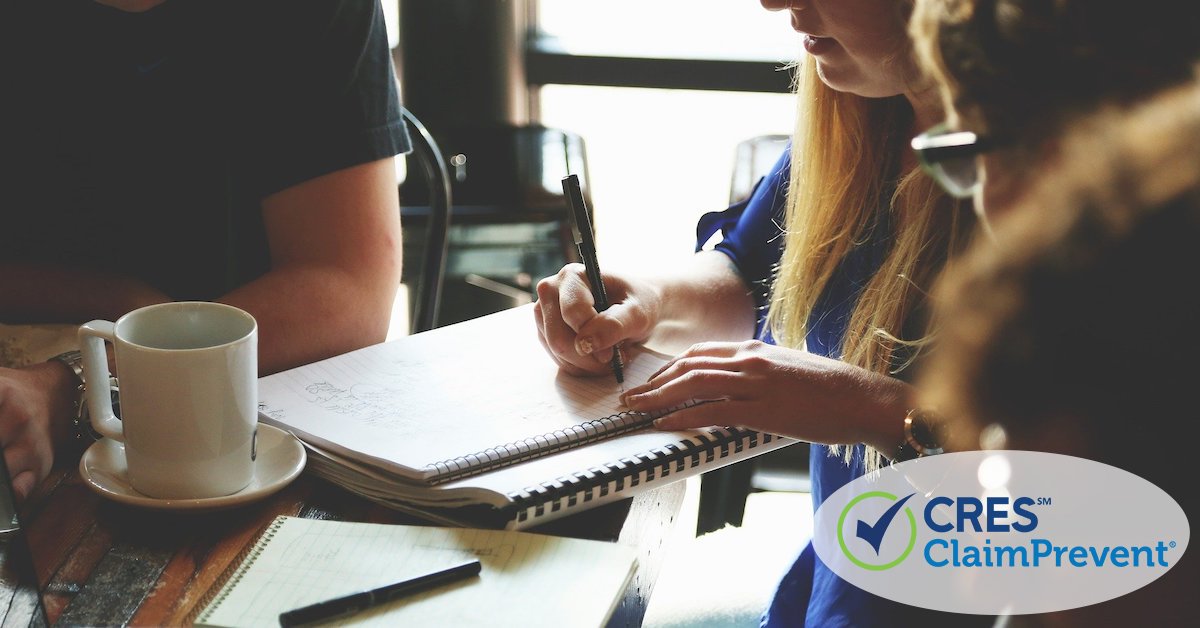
[
  {"x": 509, "y": 226},
  {"x": 437, "y": 238},
  {"x": 754, "y": 159}
]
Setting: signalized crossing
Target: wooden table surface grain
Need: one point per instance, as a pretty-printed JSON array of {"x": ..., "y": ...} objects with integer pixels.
[{"x": 102, "y": 563}]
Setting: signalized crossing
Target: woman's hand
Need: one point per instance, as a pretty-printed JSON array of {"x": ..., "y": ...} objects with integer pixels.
[
  {"x": 578, "y": 338},
  {"x": 777, "y": 390}
]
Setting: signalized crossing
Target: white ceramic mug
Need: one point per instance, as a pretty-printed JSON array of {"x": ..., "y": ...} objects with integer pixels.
[{"x": 188, "y": 393}]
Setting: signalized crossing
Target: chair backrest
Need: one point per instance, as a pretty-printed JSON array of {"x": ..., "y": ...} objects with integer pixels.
[
  {"x": 754, "y": 159},
  {"x": 509, "y": 215},
  {"x": 437, "y": 239}
]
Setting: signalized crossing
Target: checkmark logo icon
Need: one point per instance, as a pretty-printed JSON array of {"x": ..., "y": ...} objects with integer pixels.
[{"x": 873, "y": 533}]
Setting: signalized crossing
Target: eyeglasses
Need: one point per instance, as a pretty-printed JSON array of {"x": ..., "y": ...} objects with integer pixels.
[{"x": 949, "y": 157}]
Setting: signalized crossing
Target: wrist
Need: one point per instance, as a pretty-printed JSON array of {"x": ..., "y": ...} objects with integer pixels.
[
  {"x": 886, "y": 404},
  {"x": 80, "y": 423},
  {"x": 924, "y": 435},
  {"x": 59, "y": 389}
]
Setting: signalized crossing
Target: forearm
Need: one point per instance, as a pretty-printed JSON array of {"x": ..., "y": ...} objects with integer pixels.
[
  {"x": 782, "y": 391},
  {"x": 308, "y": 313},
  {"x": 31, "y": 293},
  {"x": 705, "y": 299},
  {"x": 335, "y": 266},
  {"x": 881, "y": 408}
]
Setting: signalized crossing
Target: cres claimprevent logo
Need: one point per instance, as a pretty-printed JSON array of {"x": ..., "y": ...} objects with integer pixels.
[
  {"x": 873, "y": 530},
  {"x": 991, "y": 532}
]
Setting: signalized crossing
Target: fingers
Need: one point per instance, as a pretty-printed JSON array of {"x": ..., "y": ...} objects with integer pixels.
[
  {"x": 703, "y": 355},
  {"x": 554, "y": 331},
  {"x": 570, "y": 328},
  {"x": 576, "y": 303},
  {"x": 596, "y": 333},
  {"x": 22, "y": 469},
  {"x": 25, "y": 426},
  {"x": 703, "y": 415},
  {"x": 599, "y": 335},
  {"x": 715, "y": 371},
  {"x": 707, "y": 384},
  {"x": 566, "y": 367},
  {"x": 679, "y": 367},
  {"x": 23, "y": 484},
  {"x": 706, "y": 349}
]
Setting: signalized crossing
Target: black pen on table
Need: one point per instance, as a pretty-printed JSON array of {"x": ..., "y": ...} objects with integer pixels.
[
  {"x": 581, "y": 229},
  {"x": 363, "y": 600}
]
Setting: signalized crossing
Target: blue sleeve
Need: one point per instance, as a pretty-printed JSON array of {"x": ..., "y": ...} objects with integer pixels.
[{"x": 753, "y": 230}]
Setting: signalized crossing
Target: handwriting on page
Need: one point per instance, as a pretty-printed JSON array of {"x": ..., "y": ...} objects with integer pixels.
[{"x": 432, "y": 397}]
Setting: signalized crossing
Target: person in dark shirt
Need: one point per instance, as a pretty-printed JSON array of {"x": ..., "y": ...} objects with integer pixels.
[{"x": 157, "y": 151}]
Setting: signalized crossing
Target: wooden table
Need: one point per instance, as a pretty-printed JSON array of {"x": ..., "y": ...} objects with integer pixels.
[{"x": 103, "y": 563}]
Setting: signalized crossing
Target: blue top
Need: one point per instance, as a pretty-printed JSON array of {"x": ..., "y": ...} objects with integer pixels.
[{"x": 810, "y": 593}]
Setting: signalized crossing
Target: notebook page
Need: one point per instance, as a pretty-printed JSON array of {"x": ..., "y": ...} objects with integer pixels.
[
  {"x": 442, "y": 394},
  {"x": 526, "y": 579}
]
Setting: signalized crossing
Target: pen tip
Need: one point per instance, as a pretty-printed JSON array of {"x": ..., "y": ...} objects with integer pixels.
[{"x": 618, "y": 366}]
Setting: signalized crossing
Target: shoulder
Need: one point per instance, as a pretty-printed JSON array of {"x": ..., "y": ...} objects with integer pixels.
[{"x": 266, "y": 25}]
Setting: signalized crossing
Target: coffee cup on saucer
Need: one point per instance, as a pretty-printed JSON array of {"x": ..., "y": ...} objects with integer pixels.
[{"x": 188, "y": 395}]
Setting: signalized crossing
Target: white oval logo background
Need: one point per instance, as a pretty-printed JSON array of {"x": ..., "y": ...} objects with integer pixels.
[{"x": 873, "y": 532}]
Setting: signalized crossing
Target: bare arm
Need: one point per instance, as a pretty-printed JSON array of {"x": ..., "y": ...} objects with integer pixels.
[
  {"x": 335, "y": 266},
  {"x": 48, "y": 294},
  {"x": 36, "y": 401},
  {"x": 698, "y": 312},
  {"x": 703, "y": 299},
  {"x": 778, "y": 390},
  {"x": 335, "y": 255}
]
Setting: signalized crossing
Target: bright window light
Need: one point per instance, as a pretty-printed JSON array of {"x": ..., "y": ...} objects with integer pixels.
[{"x": 660, "y": 158}]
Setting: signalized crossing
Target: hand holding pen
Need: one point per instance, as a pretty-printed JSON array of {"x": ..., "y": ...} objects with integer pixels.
[{"x": 581, "y": 229}]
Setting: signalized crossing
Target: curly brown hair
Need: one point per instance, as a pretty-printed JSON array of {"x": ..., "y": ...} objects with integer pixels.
[
  {"x": 1082, "y": 313},
  {"x": 1022, "y": 69}
]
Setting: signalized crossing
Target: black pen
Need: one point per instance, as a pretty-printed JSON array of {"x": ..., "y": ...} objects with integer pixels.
[
  {"x": 581, "y": 228},
  {"x": 356, "y": 602}
]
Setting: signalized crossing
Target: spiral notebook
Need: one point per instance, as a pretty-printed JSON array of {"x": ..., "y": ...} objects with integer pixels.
[
  {"x": 474, "y": 424},
  {"x": 296, "y": 562}
]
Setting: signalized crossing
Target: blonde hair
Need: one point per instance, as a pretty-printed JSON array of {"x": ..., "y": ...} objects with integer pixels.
[{"x": 846, "y": 158}]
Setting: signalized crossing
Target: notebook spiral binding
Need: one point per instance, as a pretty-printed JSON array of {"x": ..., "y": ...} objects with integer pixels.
[
  {"x": 227, "y": 581},
  {"x": 599, "y": 482},
  {"x": 537, "y": 446}
]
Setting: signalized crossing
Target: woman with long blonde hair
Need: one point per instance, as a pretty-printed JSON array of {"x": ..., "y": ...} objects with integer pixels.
[{"x": 812, "y": 339}]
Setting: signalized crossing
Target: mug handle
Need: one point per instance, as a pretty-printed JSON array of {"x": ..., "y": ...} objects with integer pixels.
[{"x": 95, "y": 369}]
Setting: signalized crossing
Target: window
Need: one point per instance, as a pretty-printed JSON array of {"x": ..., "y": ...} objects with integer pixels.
[
  {"x": 659, "y": 156},
  {"x": 697, "y": 29}
]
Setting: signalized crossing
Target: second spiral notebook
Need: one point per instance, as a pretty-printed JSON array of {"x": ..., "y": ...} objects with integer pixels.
[{"x": 474, "y": 424}]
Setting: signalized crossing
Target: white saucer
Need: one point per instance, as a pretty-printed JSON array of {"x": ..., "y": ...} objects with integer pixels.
[{"x": 280, "y": 459}]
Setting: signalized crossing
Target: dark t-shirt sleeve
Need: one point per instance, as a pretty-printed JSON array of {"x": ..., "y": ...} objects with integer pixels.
[
  {"x": 753, "y": 230},
  {"x": 333, "y": 104}
]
